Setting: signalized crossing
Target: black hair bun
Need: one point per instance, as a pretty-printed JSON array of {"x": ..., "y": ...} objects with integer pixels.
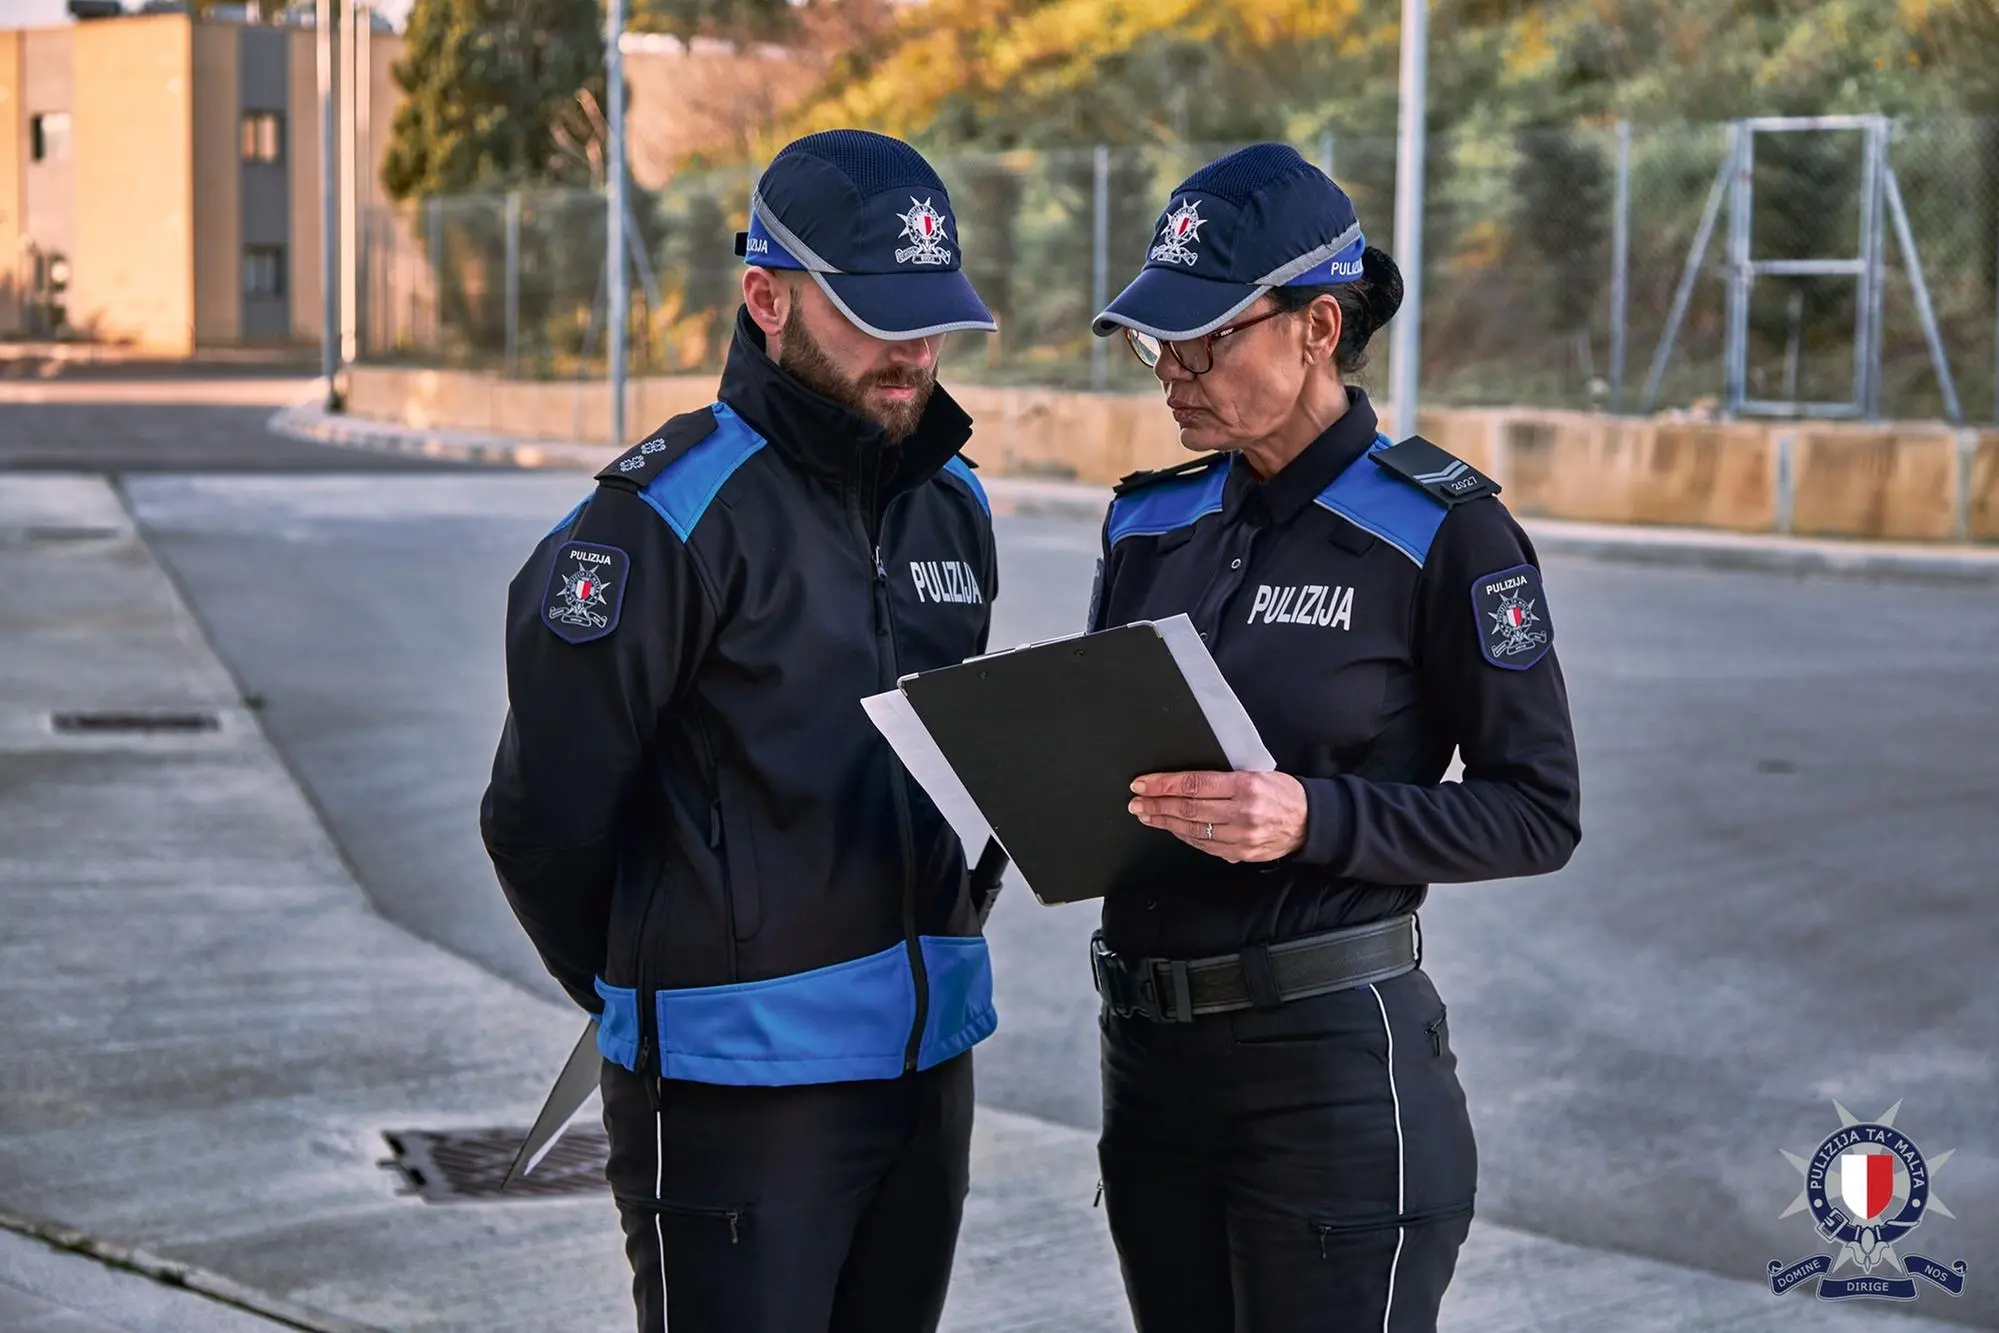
[{"x": 1381, "y": 286}]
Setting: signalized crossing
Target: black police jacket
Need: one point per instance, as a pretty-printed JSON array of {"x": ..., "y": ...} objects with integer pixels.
[
  {"x": 1374, "y": 608},
  {"x": 690, "y": 812}
]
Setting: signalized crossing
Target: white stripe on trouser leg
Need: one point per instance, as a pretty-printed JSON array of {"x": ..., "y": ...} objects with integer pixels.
[
  {"x": 659, "y": 1197},
  {"x": 1388, "y": 1311}
]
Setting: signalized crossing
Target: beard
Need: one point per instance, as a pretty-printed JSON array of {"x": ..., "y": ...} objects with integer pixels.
[{"x": 807, "y": 362}]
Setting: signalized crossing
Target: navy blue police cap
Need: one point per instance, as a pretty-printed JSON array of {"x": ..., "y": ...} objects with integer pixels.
[
  {"x": 1260, "y": 218},
  {"x": 868, "y": 218}
]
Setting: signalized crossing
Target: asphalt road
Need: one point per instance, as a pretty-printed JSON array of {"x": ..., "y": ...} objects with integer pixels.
[
  {"x": 1783, "y": 897},
  {"x": 111, "y": 419}
]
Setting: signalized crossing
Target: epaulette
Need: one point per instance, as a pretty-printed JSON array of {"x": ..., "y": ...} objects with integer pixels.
[
  {"x": 645, "y": 460},
  {"x": 1441, "y": 473},
  {"x": 1138, "y": 480}
]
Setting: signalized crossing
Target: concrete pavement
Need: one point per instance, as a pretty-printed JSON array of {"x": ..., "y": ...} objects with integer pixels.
[
  {"x": 209, "y": 1026},
  {"x": 45, "y": 1288}
]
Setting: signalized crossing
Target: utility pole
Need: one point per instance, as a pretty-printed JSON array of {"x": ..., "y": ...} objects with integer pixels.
[
  {"x": 1408, "y": 357},
  {"x": 349, "y": 99},
  {"x": 329, "y": 197},
  {"x": 618, "y": 314}
]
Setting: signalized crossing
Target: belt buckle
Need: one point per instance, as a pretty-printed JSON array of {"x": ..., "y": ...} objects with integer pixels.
[{"x": 1126, "y": 996}]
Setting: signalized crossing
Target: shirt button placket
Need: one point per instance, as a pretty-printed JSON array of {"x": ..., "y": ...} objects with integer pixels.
[{"x": 1226, "y": 585}]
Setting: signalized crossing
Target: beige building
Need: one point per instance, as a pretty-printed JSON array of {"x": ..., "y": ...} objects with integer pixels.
[
  {"x": 160, "y": 174},
  {"x": 159, "y": 181}
]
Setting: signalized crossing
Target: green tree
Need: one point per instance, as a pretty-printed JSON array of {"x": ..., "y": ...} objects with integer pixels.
[
  {"x": 728, "y": 20},
  {"x": 500, "y": 94}
]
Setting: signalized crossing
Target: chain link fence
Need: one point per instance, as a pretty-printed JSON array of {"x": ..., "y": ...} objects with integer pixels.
[{"x": 1553, "y": 260}]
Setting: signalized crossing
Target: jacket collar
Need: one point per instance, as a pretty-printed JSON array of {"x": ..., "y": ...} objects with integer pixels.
[
  {"x": 1299, "y": 482},
  {"x": 819, "y": 436}
]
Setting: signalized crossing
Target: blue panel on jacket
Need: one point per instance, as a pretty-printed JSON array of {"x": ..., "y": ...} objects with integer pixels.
[
  {"x": 682, "y": 492},
  {"x": 1400, "y": 514},
  {"x": 961, "y": 1011},
  {"x": 568, "y": 518},
  {"x": 829, "y": 1025},
  {"x": 958, "y": 468},
  {"x": 618, "y": 1025},
  {"x": 1168, "y": 504}
]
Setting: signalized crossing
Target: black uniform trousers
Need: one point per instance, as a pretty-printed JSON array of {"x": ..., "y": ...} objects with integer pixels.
[
  {"x": 827, "y": 1208},
  {"x": 1309, "y": 1167}
]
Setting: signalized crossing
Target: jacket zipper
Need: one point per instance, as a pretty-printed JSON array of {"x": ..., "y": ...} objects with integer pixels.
[
  {"x": 649, "y": 1012},
  {"x": 646, "y": 1009},
  {"x": 886, "y": 674}
]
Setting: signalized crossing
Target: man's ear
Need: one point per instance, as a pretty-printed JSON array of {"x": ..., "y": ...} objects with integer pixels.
[{"x": 768, "y": 297}]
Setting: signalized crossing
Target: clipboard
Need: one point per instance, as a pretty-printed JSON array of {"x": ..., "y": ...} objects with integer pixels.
[{"x": 1039, "y": 744}]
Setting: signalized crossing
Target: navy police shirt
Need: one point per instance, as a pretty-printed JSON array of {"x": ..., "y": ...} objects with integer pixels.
[{"x": 1375, "y": 608}]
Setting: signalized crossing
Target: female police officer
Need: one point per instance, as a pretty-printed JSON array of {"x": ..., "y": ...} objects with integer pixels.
[{"x": 1285, "y": 1142}]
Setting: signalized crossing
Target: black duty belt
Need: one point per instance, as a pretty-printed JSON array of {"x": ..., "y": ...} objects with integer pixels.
[{"x": 1262, "y": 976}]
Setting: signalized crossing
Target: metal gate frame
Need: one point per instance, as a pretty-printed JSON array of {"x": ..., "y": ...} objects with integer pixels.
[{"x": 1880, "y": 193}]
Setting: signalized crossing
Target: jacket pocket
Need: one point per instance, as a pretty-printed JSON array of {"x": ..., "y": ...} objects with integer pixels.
[
  {"x": 618, "y": 1025},
  {"x": 732, "y": 831}
]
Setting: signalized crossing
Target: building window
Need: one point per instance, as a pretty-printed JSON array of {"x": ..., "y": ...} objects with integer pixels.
[
  {"x": 48, "y": 136},
  {"x": 263, "y": 270},
  {"x": 263, "y": 136}
]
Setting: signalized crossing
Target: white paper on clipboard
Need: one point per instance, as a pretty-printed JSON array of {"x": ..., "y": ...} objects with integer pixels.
[
  {"x": 1225, "y": 713},
  {"x": 898, "y": 723}
]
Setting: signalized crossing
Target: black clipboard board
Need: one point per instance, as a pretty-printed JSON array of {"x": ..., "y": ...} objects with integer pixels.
[{"x": 1047, "y": 739}]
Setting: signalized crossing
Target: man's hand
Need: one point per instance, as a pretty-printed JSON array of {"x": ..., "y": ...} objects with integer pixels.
[{"x": 1236, "y": 816}]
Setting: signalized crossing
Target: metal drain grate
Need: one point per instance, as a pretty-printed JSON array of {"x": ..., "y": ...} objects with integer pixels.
[
  {"x": 132, "y": 722},
  {"x": 455, "y": 1165}
]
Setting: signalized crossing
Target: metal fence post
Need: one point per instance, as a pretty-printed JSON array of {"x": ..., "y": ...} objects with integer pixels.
[
  {"x": 435, "y": 207},
  {"x": 1786, "y": 442},
  {"x": 1736, "y": 342},
  {"x": 1100, "y": 260},
  {"x": 1326, "y": 152},
  {"x": 513, "y": 282},
  {"x": 1874, "y": 253},
  {"x": 1620, "y": 266}
]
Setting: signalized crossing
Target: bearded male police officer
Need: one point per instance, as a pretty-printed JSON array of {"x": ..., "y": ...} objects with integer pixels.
[{"x": 693, "y": 818}]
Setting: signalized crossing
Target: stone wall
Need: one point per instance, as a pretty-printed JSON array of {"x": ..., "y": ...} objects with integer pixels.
[{"x": 1904, "y": 482}]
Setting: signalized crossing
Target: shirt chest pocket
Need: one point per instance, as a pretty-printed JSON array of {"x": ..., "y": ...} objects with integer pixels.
[
  {"x": 940, "y": 608},
  {"x": 1326, "y": 638}
]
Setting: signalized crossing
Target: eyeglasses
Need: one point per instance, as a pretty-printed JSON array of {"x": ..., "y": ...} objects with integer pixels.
[{"x": 1198, "y": 356}]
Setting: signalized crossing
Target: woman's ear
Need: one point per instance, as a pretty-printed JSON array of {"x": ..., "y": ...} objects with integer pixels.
[{"x": 1323, "y": 324}]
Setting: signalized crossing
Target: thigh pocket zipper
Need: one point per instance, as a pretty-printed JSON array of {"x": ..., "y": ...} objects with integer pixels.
[
  {"x": 1326, "y": 1230},
  {"x": 734, "y": 1217}
]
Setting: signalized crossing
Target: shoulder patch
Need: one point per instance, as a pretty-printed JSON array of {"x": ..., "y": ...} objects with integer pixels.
[
  {"x": 1133, "y": 481},
  {"x": 648, "y": 458},
  {"x": 961, "y": 467},
  {"x": 1152, "y": 503},
  {"x": 1383, "y": 503},
  {"x": 1511, "y": 610},
  {"x": 1437, "y": 471},
  {"x": 586, "y": 589}
]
